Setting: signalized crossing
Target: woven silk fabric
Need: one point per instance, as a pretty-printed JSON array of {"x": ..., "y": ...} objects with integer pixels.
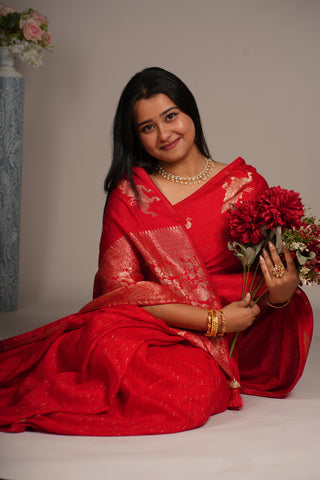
[{"x": 115, "y": 369}]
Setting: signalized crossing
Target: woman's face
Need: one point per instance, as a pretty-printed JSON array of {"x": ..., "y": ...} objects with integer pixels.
[{"x": 165, "y": 132}]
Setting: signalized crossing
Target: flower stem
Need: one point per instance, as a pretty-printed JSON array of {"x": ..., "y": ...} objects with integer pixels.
[
  {"x": 260, "y": 296},
  {"x": 235, "y": 337},
  {"x": 234, "y": 341},
  {"x": 254, "y": 277},
  {"x": 245, "y": 280},
  {"x": 257, "y": 287}
]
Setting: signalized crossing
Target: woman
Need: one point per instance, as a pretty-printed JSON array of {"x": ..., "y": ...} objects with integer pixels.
[{"x": 150, "y": 353}]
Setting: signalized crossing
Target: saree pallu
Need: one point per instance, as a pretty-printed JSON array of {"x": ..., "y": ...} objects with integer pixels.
[{"x": 115, "y": 369}]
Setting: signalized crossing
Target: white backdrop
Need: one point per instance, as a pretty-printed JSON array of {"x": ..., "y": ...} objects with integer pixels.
[{"x": 253, "y": 66}]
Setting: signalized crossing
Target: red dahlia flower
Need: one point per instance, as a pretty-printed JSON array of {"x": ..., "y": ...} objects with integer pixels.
[
  {"x": 280, "y": 207},
  {"x": 246, "y": 222}
]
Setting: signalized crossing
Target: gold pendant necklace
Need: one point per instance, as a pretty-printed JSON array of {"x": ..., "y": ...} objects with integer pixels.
[{"x": 201, "y": 177}]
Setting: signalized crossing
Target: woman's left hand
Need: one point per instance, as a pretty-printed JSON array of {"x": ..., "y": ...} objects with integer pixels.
[{"x": 282, "y": 288}]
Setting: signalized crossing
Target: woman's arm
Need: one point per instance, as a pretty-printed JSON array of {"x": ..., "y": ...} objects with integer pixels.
[{"x": 237, "y": 315}]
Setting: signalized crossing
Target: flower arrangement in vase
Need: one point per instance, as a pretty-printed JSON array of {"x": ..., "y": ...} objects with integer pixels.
[{"x": 26, "y": 34}]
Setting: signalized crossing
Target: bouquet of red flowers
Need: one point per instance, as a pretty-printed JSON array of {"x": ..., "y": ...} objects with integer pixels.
[
  {"x": 278, "y": 216},
  {"x": 304, "y": 243}
]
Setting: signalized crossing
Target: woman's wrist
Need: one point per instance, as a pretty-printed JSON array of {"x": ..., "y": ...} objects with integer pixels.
[
  {"x": 276, "y": 304},
  {"x": 216, "y": 323}
]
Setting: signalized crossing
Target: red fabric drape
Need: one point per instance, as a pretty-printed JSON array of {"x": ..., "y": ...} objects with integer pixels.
[
  {"x": 271, "y": 354},
  {"x": 114, "y": 369}
]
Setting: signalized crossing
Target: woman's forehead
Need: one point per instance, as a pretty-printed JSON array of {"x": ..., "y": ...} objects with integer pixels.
[{"x": 152, "y": 108}]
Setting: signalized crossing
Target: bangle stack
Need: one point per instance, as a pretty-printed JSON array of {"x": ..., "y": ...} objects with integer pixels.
[
  {"x": 213, "y": 323},
  {"x": 214, "y": 317}
]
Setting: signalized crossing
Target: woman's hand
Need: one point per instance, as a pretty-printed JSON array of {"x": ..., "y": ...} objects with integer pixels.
[
  {"x": 239, "y": 315},
  {"x": 280, "y": 289}
]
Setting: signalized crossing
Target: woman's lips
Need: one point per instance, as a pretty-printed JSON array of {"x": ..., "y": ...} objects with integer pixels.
[{"x": 170, "y": 145}]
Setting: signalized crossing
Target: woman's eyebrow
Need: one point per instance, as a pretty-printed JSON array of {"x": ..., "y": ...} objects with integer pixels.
[{"x": 161, "y": 115}]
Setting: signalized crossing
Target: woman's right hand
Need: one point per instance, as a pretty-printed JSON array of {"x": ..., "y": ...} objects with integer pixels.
[{"x": 239, "y": 315}]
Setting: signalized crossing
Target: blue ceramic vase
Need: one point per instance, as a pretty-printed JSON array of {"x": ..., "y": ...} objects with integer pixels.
[{"x": 11, "y": 138}]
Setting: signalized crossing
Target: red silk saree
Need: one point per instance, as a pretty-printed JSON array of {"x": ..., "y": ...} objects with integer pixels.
[{"x": 115, "y": 369}]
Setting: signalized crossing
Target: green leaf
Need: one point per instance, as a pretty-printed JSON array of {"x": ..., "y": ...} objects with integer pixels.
[
  {"x": 303, "y": 258},
  {"x": 246, "y": 253}
]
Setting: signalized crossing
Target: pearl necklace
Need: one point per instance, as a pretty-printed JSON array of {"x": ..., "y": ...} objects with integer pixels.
[{"x": 201, "y": 177}]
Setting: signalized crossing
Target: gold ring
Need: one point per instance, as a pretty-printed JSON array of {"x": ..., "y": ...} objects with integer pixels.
[{"x": 278, "y": 271}]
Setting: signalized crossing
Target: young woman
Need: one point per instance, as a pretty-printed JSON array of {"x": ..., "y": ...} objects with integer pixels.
[{"x": 150, "y": 353}]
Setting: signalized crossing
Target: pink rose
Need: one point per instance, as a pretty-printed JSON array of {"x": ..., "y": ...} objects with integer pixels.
[
  {"x": 4, "y": 10},
  {"x": 32, "y": 32},
  {"x": 46, "y": 39},
  {"x": 38, "y": 19}
]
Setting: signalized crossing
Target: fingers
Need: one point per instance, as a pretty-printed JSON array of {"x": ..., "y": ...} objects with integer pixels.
[
  {"x": 281, "y": 287},
  {"x": 268, "y": 261},
  {"x": 265, "y": 270},
  {"x": 274, "y": 255},
  {"x": 289, "y": 261},
  {"x": 239, "y": 316},
  {"x": 246, "y": 300},
  {"x": 255, "y": 309},
  {"x": 272, "y": 259}
]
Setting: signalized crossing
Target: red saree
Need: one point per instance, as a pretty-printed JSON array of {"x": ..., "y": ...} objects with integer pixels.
[{"x": 115, "y": 369}]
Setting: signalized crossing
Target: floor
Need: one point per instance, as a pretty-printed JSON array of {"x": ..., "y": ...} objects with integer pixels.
[{"x": 267, "y": 439}]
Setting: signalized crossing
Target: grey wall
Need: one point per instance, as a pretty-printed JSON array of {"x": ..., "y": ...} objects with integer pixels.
[{"x": 253, "y": 66}]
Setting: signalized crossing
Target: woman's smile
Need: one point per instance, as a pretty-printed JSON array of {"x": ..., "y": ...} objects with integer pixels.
[{"x": 171, "y": 145}]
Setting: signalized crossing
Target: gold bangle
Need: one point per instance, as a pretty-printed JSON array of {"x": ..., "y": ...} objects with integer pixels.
[
  {"x": 223, "y": 322},
  {"x": 215, "y": 323},
  {"x": 212, "y": 323},
  {"x": 282, "y": 305},
  {"x": 209, "y": 327}
]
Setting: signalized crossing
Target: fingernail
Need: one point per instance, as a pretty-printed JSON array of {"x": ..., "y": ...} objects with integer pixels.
[
  {"x": 271, "y": 245},
  {"x": 247, "y": 296}
]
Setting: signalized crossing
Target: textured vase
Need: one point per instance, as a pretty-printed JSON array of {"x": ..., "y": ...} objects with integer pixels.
[{"x": 11, "y": 137}]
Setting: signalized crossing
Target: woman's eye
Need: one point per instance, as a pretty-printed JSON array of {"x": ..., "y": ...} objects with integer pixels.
[
  {"x": 171, "y": 116},
  {"x": 147, "y": 128}
]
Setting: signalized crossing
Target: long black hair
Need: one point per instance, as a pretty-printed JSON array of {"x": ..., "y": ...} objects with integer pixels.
[{"x": 127, "y": 149}]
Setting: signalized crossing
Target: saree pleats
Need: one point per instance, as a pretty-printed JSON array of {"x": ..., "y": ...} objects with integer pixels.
[{"x": 118, "y": 371}]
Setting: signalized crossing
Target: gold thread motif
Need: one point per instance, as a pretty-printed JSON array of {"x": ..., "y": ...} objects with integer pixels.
[
  {"x": 115, "y": 273},
  {"x": 156, "y": 275},
  {"x": 188, "y": 223},
  {"x": 234, "y": 188},
  {"x": 145, "y": 197},
  {"x": 183, "y": 274},
  {"x": 122, "y": 281}
]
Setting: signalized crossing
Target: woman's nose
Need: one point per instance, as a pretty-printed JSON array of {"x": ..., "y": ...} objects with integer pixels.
[{"x": 164, "y": 132}]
